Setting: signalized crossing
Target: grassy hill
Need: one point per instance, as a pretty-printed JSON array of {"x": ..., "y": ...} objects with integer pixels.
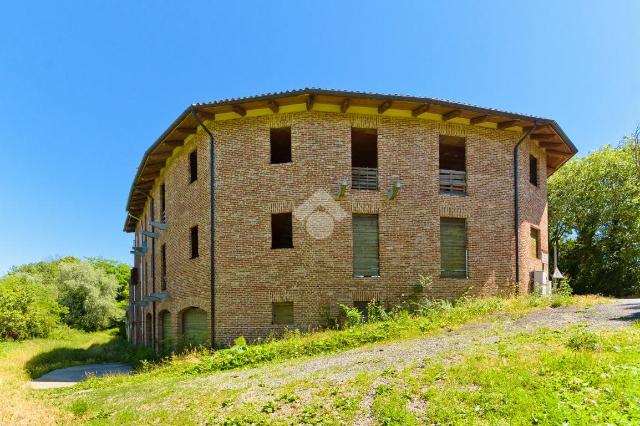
[{"x": 407, "y": 369}]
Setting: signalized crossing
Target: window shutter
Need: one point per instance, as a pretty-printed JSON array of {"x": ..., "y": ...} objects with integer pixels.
[
  {"x": 453, "y": 248},
  {"x": 194, "y": 326},
  {"x": 282, "y": 313},
  {"x": 365, "y": 246}
]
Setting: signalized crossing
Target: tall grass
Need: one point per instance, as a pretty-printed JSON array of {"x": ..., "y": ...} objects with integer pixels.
[{"x": 406, "y": 322}]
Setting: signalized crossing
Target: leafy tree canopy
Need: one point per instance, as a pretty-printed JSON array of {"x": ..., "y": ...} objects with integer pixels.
[{"x": 594, "y": 215}]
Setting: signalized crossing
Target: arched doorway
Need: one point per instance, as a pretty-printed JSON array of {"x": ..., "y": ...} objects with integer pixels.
[{"x": 194, "y": 326}]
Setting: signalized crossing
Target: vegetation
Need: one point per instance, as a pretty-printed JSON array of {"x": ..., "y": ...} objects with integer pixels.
[
  {"x": 544, "y": 376},
  {"x": 27, "y": 310},
  {"x": 594, "y": 215},
  {"x": 87, "y": 295},
  {"x": 403, "y": 322}
]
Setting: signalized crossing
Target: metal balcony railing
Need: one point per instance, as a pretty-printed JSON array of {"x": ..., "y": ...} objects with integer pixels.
[
  {"x": 364, "y": 178},
  {"x": 453, "y": 182}
]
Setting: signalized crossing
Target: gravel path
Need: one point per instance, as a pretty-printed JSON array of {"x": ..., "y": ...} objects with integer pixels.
[{"x": 346, "y": 365}]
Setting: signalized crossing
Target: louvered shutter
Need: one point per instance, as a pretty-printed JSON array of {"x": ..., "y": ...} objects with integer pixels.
[
  {"x": 453, "y": 248},
  {"x": 365, "y": 246},
  {"x": 165, "y": 317},
  {"x": 282, "y": 313},
  {"x": 194, "y": 326}
]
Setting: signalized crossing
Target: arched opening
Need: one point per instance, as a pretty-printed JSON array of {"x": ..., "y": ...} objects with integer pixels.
[
  {"x": 148, "y": 333},
  {"x": 194, "y": 326},
  {"x": 166, "y": 338}
]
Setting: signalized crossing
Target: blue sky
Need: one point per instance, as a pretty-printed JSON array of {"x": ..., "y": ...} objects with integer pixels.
[{"x": 86, "y": 87}]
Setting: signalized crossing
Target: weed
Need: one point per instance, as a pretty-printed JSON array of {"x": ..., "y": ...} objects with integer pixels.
[{"x": 583, "y": 340}]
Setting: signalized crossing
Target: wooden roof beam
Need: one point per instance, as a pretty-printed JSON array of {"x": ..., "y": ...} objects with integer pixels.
[
  {"x": 273, "y": 106},
  {"x": 420, "y": 110},
  {"x": 507, "y": 124},
  {"x": 384, "y": 106},
  {"x": 344, "y": 106},
  {"x": 206, "y": 115},
  {"x": 239, "y": 110},
  {"x": 542, "y": 135},
  {"x": 555, "y": 152},
  {"x": 311, "y": 99},
  {"x": 550, "y": 144},
  {"x": 452, "y": 114},
  {"x": 480, "y": 119}
]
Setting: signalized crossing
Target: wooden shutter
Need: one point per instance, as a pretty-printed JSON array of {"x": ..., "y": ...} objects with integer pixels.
[
  {"x": 165, "y": 318},
  {"x": 535, "y": 242},
  {"x": 365, "y": 246},
  {"x": 194, "y": 326},
  {"x": 282, "y": 313},
  {"x": 453, "y": 248}
]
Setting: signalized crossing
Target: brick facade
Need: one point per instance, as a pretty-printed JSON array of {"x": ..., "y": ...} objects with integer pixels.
[{"x": 316, "y": 275}]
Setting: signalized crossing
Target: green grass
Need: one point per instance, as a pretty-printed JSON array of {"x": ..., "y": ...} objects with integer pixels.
[
  {"x": 400, "y": 325},
  {"x": 176, "y": 390}
]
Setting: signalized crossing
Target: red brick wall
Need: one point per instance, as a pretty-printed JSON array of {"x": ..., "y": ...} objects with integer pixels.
[{"x": 316, "y": 275}]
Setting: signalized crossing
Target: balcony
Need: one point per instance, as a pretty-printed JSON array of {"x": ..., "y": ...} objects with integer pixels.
[
  {"x": 453, "y": 182},
  {"x": 364, "y": 178}
]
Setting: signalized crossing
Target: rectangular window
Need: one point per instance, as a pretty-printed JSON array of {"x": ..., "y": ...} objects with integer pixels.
[
  {"x": 453, "y": 248},
  {"x": 281, "y": 231},
  {"x": 365, "y": 246},
  {"x": 533, "y": 170},
  {"x": 163, "y": 267},
  {"x": 535, "y": 243},
  {"x": 364, "y": 159},
  {"x": 163, "y": 204},
  {"x": 282, "y": 313},
  {"x": 193, "y": 166},
  {"x": 280, "y": 141},
  {"x": 453, "y": 174},
  {"x": 194, "y": 242}
]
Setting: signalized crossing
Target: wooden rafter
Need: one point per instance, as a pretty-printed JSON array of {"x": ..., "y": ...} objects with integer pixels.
[
  {"x": 550, "y": 144},
  {"x": 542, "y": 135},
  {"x": 507, "y": 124},
  {"x": 420, "y": 110},
  {"x": 207, "y": 115},
  {"x": 452, "y": 114},
  {"x": 185, "y": 131},
  {"x": 311, "y": 99},
  {"x": 344, "y": 106},
  {"x": 384, "y": 106},
  {"x": 555, "y": 152},
  {"x": 273, "y": 106},
  {"x": 239, "y": 110},
  {"x": 480, "y": 119}
]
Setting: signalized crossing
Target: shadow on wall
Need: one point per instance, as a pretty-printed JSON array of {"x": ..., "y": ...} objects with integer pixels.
[{"x": 115, "y": 350}]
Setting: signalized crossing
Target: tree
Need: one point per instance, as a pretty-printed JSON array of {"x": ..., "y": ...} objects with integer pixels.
[
  {"x": 89, "y": 293},
  {"x": 121, "y": 271},
  {"x": 594, "y": 215},
  {"x": 27, "y": 309}
]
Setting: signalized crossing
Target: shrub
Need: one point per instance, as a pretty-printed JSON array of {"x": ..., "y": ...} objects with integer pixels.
[
  {"x": 90, "y": 296},
  {"x": 352, "y": 316},
  {"x": 564, "y": 288},
  {"x": 583, "y": 340},
  {"x": 26, "y": 309}
]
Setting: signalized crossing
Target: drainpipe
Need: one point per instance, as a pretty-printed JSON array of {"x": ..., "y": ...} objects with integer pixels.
[
  {"x": 516, "y": 206},
  {"x": 212, "y": 173}
]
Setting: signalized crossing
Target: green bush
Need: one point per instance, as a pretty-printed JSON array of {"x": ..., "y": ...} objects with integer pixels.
[
  {"x": 27, "y": 310},
  {"x": 583, "y": 340},
  {"x": 352, "y": 316}
]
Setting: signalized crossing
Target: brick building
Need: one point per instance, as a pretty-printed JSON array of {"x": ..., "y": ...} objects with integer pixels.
[{"x": 327, "y": 197}]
